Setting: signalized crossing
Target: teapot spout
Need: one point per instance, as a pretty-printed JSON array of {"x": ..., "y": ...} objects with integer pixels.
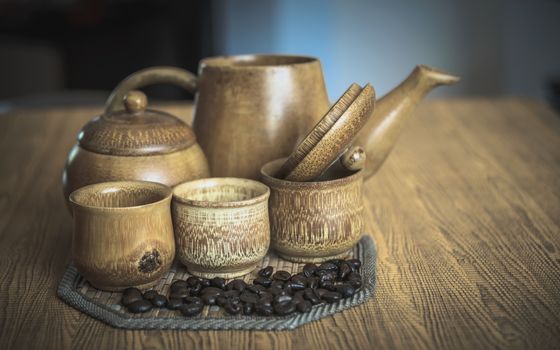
[{"x": 392, "y": 111}]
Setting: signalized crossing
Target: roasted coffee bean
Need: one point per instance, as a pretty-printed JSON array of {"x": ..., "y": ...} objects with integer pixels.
[
  {"x": 193, "y": 281},
  {"x": 337, "y": 262},
  {"x": 353, "y": 276},
  {"x": 238, "y": 285},
  {"x": 235, "y": 300},
  {"x": 218, "y": 282},
  {"x": 248, "y": 297},
  {"x": 193, "y": 300},
  {"x": 277, "y": 284},
  {"x": 264, "y": 309},
  {"x": 328, "y": 276},
  {"x": 139, "y": 306},
  {"x": 321, "y": 273},
  {"x": 355, "y": 263},
  {"x": 357, "y": 284},
  {"x": 309, "y": 269},
  {"x": 179, "y": 284},
  {"x": 213, "y": 290},
  {"x": 222, "y": 300},
  {"x": 299, "y": 278},
  {"x": 282, "y": 299},
  {"x": 266, "y": 272},
  {"x": 131, "y": 295},
  {"x": 179, "y": 293},
  {"x": 328, "y": 266},
  {"x": 331, "y": 297},
  {"x": 320, "y": 291},
  {"x": 248, "y": 309},
  {"x": 266, "y": 296},
  {"x": 174, "y": 304},
  {"x": 231, "y": 293},
  {"x": 328, "y": 285},
  {"x": 233, "y": 309},
  {"x": 149, "y": 295},
  {"x": 304, "y": 306},
  {"x": 209, "y": 298},
  {"x": 204, "y": 282},
  {"x": 313, "y": 282},
  {"x": 256, "y": 288},
  {"x": 346, "y": 290},
  {"x": 344, "y": 270},
  {"x": 191, "y": 309},
  {"x": 281, "y": 275},
  {"x": 159, "y": 301},
  {"x": 283, "y": 309},
  {"x": 299, "y": 296},
  {"x": 263, "y": 281},
  {"x": 195, "y": 290},
  {"x": 277, "y": 291},
  {"x": 295, "y": 285},
  {"x": 310, "y": 295}
]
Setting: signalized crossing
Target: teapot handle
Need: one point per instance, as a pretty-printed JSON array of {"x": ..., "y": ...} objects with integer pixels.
[{"x": 149, "y": 76}]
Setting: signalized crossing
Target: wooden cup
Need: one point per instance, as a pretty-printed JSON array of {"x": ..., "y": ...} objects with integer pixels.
[
  {"x": 314, "y": 221},
  {"x": 123, "y": 233},
  {"x": 221, "y": 225}
]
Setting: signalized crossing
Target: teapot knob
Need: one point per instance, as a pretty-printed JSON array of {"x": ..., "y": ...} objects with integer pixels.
[
  {"x": 135, "y": 101},
  {"x": 354, "y": 159}
]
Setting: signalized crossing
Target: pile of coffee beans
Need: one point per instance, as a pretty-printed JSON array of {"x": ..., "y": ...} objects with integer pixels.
[{"x": 272, "y": 293}]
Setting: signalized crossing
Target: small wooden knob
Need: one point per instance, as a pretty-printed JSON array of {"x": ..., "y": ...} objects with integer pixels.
[
  {"x": 135, "y": 101},
  {"x": 354, "y": 159}
]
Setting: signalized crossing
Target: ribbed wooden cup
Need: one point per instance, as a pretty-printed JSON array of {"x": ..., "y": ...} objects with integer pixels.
[
  {"x": 123, "y": 234},
  {"x": 314, "y": 221},
  {"x": 221, "y": 225}
]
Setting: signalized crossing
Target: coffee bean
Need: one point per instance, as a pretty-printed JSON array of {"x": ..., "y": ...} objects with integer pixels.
[
  {"x": 277, "y": 284},
  {"x": 238, "y": 285},
  {"x": 301, "y": 279},
  {"x": 159, "y": 301},
  {"x": 304, "y": 306},
  {"x": 277, "y": 291},
  {"x": 344, "y": 270},
  {"x": 295, "y": 285},
  {"x": 353, "y": 276},
  {"x": 283, "y": 309},
  {"x": 149, "y": 295},
  {"x": 310, "y": 295},
  {"x": 213, "y": 290},
  {"x": 263, "y": 281},
  {"x": 327, "y": 276},
  {"x": 248, "y": 309},
  {"x": 264, "y": 309},
  {"x": 299, "y": 296},
  {"x": 313, "y": 282},
  {"x": 309, "y": 269},
  {"x": 174, "y": 304},
  {"x": 193, "y": 281},
  {"x": 191, "y": 309},
  {"x": 139, "y": 306},
  {"x": 178, "y": 284},
  {"x": 256, "y": 288},
  {"x": 328, "y": 266},
  {"x": 336, "y": 262},
  {"x": 346, "y": 290},
  {"x": 266, "y": 296},
  {"x": 357, "y": 284},
  {"x": 282, "y": 299},
  {"x": 355, "y": 263},
  {"x": 233, "y": 309},
  {"x": 266, "y": 272},
  {"x": 179, "y": 293},
  {"x": 209, "y": 298},
  {"x": 231, "y": 293},
  {"x": 281, "y": 275},
  {"x": 331, "y": 297},
  {"x": 218, "y": 282},
  {"x": 131, "y": 295},
  {"x": 320, "y": 291},
  {"x": 221, "y": 301},
  {"x": 328, "y": 285},
  {"x": 248, "y": 297},
  {"x": 193, "y": 300},
  {"x": 195, "y": 290},
  {"x": 204, "y": 282}
]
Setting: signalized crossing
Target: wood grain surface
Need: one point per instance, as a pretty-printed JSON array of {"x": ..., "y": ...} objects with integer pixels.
[{"x": 465, "y": 213}]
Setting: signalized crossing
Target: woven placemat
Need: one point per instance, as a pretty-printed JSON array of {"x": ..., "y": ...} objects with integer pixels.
[{"x": 106, "y": 307}]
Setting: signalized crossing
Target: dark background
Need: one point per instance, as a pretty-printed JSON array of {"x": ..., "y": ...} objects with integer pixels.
[{"x": 76, "y": 51}]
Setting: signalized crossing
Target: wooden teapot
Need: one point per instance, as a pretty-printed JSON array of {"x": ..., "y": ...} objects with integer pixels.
[
  {"x": 251, "y": 109},
  {"x": 134, "y": 144}
]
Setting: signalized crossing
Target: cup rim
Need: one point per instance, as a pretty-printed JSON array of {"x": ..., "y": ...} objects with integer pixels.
[
  {"x": 213, "y": 181},
  {"x": 228, "y": 62},
  {"x": 166, "y": 194},
  {"x": 276, "y": 181}
]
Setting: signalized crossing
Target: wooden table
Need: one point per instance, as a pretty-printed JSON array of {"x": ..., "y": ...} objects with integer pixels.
[{"x": 465, "y": 213}]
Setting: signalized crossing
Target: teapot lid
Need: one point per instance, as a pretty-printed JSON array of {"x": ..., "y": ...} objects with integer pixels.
[{"x": 136, "y": 131}]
